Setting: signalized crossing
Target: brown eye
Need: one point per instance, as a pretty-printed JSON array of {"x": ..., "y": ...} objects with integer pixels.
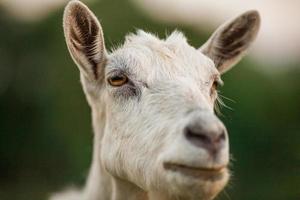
[
  {"x": 215, "y": 85},
  {"x": 214, "y": 88},
  {"x": 117, "y": 80}
]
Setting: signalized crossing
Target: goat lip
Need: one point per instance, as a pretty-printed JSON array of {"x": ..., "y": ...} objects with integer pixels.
[{"x": 205, "y": 173}]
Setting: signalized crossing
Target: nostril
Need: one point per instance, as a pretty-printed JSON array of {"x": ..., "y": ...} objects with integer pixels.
[
  {"x": 202, "y": 137},
  {"x": 221, "y": 137},
  {"x": 212, "y": 141},
  {"x": 197, "y": 138}
]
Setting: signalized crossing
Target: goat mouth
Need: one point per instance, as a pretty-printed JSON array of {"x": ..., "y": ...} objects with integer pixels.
[{"x": 203, "y": 173}]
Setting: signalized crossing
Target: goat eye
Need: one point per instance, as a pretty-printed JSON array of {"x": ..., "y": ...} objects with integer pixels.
[
  {"x": 214, "y": 87},
  {"x": 117, "y": 80}
]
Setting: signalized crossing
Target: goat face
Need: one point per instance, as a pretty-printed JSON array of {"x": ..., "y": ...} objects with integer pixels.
[{"x": 157, "y": 102}]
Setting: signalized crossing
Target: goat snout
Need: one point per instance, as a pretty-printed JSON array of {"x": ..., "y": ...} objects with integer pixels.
[{"x": 208, "y": 132}]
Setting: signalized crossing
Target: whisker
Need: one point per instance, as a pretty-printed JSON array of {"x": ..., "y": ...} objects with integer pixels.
[
  {"x": 226, "y": 194},
  {"x": 223, "y": 97},
  {"x": 220, "y": 104}
]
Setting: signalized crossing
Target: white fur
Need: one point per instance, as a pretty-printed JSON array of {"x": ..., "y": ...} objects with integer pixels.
[{"x": 137, "y": 132}]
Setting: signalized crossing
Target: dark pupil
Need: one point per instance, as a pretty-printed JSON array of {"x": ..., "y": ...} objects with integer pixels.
[
  {"x": 117, "y": 78},
  {"x": 216, "y": 85}
]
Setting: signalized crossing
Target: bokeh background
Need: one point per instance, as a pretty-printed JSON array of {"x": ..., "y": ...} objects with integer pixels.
[{"x": 45, "y": 123}]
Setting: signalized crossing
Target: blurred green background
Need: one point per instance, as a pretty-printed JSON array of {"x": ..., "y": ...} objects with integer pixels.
[{"x": 45, "y": 123}]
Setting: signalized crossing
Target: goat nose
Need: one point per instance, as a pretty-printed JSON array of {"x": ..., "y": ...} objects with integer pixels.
[{"x": 211, "y": 136}]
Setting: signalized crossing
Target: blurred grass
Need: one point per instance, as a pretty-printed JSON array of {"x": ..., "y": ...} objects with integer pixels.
[{"x": 45, "y": 126}]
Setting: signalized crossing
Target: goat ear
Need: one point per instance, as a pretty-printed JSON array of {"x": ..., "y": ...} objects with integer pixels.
[
  {"x": 84, "y": 38},
  {"x": 228, "y": 44}
]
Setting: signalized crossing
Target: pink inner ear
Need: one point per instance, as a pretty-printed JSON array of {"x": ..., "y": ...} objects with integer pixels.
[{"x": 84, "y": 34}]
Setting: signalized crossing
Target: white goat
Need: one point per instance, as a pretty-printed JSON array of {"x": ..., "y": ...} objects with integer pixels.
[{"x": 156, "y": 134}]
